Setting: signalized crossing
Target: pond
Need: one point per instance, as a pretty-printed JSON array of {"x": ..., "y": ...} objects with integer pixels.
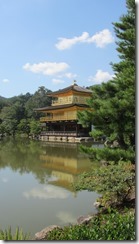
[{"x": 36, "y": 184}]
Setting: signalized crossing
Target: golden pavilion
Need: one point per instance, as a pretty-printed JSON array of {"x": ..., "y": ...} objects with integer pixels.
[{"x": 60, "y": 121}]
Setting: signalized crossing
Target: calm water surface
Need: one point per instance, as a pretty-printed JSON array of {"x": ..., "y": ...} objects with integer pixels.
[{"x": 35, "y": 185}]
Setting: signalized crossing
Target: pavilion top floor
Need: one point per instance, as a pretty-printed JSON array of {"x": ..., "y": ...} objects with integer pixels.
[{"x": 69, "y": 95}]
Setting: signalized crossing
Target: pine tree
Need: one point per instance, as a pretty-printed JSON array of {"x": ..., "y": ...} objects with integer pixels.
[
  {"x": 113, "y": 103},
  {"x": 112, "y": 112}
]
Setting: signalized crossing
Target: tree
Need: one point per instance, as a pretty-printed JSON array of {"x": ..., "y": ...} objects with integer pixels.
[
  {"x": 39, "y": 99},
  {"x": 112, "y": 112},
  {"x": 2, "y": 129},
  {"x": 10, "y": 126},
  {"x": 125, "y": 75},
  {"x": 24, "y": 127},
  {"x": 11, "y": 115},
  {"x": 113, "y": 103},
  {"x": 35, "y": 128},
  {"x": 3, "y": 102},
  {"x": 17, "y": 112}
]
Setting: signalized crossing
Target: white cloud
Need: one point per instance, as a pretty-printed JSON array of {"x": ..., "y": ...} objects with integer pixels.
[
  {"x": 101, "y": 39},
  {"x": 101, "y": 76},
  {"x": 57, "y": 81},
  {"x": 66, "y": 43},
  {"x": 5, "y": 80},
  {"x": 46, "y": 68},
  {"x": 46, "y": 192},
  {"x": 68, "y": 75}
]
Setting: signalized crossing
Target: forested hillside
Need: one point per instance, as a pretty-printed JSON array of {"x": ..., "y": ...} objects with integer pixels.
[{"x": 17, "y": 113}]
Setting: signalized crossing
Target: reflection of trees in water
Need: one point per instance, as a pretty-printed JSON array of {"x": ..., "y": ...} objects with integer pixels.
[
  {"x": 23, "y": 155},
  {"x": 62, "y": 160}
]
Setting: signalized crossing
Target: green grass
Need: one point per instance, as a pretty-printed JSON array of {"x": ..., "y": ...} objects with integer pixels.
[{"x": 7, "y": 235}]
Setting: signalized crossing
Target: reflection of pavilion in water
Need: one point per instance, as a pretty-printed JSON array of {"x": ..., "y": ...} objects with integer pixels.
[{"x": 65, "y": 162}]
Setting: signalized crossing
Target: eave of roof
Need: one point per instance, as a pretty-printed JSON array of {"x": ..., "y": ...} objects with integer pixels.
[
  {"x": 74, "y": 87},
  {"x": 60, "y": 107}
]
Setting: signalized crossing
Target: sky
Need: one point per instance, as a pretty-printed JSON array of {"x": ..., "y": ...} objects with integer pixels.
[{"x": 50, "y": 43}]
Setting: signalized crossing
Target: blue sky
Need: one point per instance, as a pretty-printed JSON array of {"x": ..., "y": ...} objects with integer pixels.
[{"x": 53, "y": 42}]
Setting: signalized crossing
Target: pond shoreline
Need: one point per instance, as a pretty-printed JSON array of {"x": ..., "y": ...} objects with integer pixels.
[{"x": 40, "y": 176}]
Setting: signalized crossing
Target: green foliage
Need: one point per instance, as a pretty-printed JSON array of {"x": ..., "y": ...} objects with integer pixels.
[
  {"x": 9, "y": 126},
  {"x": 24, "y": 126},
  {"x": 38, "y": 100},
  {"x": 112, "y": 113},
  {"x": 17, "y": 112},
  {"x": 7, "y": 235},
  {"x": 114, "y": 181},
  {"x": 2, "y": 129},
  {"x": 125, "y": 30},
  {"x": 85, "y": 117},
  {"x": 35, "y": 128},
  {"x": 109, "y": 154},
  {"x": 12, "y": 114},
  {"x": 112, "y": 105},
  {"x": 3, "y": 102},
  {"x": 96, "y": 134},
  {"x": 112, "y": 226}
]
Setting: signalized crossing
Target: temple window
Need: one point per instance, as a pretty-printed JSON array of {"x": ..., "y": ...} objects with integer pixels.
[{"x": 75, "y": 99}]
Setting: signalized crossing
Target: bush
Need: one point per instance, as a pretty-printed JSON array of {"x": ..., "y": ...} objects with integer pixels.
[
  {"x": 112, "y": 226},
  {"x": 114, "y": 181}
]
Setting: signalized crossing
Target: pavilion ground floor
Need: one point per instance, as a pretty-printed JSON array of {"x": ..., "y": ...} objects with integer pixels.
[{"x": 65, "y": 131}]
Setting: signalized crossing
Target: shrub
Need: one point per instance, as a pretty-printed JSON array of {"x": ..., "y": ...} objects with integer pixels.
[
  {"x": 114, "y": 181},
  {"x": 112, "y": 226}
]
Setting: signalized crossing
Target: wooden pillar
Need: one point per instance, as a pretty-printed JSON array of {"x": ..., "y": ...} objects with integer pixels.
[
  {"x": 76, "y": 129},
  {"x": 64, "y": 126}
]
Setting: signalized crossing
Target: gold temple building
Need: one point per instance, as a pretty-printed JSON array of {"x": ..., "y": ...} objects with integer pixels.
[{"x": 60, "y": 121}]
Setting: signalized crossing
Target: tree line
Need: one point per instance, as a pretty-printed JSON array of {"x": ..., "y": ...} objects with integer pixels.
[{"x": 17, "y": 113}]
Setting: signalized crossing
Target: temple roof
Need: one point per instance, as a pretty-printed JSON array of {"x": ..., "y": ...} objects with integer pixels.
[
  {"x": 73, "y": 87},
  {"x": 60, "y": 107}
]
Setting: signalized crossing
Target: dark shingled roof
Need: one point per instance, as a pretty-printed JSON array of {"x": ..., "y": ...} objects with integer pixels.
[
  {"x": 74, "y": 87},
  {"x": 60, "y": 107}
]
